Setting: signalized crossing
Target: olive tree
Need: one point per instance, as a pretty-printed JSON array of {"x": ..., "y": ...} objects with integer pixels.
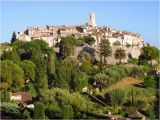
[
  {"x": 29, "y": 69},
  {"x": 12, "y": 76}
]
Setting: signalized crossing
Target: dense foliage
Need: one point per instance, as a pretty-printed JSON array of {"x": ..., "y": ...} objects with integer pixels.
[
  {"x": 105, "y": 49},
  {"x": 67, "y": 46},
  {"x": 11, "y": 75},
  {"x": 120, "y": 54},
  {"x": 66, "y": 87},
  {"x": 117, "y": 43},
  {"x": 90, "y": 40}
]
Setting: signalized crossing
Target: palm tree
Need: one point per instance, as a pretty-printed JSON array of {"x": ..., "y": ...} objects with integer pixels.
[
  {"x": 105, "y": 49},
  {"x": 120, "y": 54}
]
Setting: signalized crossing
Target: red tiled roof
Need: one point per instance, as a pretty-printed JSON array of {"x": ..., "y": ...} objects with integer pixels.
[{"x": 25, "y": 97}]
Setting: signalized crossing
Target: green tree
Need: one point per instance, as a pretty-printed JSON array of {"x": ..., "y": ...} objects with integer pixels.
[
  {"x": 84, "y": 56},
  {"x": 136, "y": 71},
  {"x": 39, "y": 112},
  {"x": 30, "y": 88},
  {"x": 102, "y": 80},
  {"x": 62, "y": 97},
  {"x": 69, "y": 76},
  {"x": 105, "y": 49},
  {"x": 53, "y": 111},
  {"x": 134, "y": 61},
  {"x": 117, "y": 97},
  {"x": 14, "y": 38},
  {"x": 41, "y": 55},
  {"x": 78, "y": 80},
  {"x": 90, "y": 40},
  {"x": 11, "y": 109},
  {"x": 41, "y": 78},
  {"x": 51, "y": 68},
  {"x": 11, "y": 55},
  {"x": 149, "y": 52},
  {"x": 67, "y": 46},
  {"x": 128, "y": 45},
  {"x": 117, "y": 43},
  {"x": 51, "y": 63},
  {"x": 79, "y": 42},
  {"x": 4, "y": 95},
  {"x": 86, "y": 66},
  {"x": 150, "y": 81},
  {"x": 120, "y": 54},
  {"x": 29, "y": 69},
  {"x": 12, "y": 76},
  {"x": 26, "y": 114},
  {"x": 61, "y": 76},
  {"x": 67, "y": 112}
]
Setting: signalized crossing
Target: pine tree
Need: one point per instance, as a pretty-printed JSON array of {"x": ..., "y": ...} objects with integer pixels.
[{"x": 14, "y": 38}]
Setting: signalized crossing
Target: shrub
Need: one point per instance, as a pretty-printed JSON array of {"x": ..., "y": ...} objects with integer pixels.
[
  {"x": 145, "y": 68},
  {"x": 26, "y": 114},
  {"x": 67, "y": 112},
  {"x": 12, "y": 75},
  {"x": 117, "y": 43},
  {"x": 79, "y": 42},
  {"x": 102, "y": 79},
  {"x": 11, "y": 109},
  {"x": 136, "y": 71},
  {"x": 149, "y": 81},
  {"x": 151, "y": 113},
  {"x": 39, "y": 112},
  {"x": 31, "y": 89},
  {"x": 86, "y": 66},
  {"x": 121, "y": 71},
  {"x": 62, "y": 97},
  {"x": 53, "y": 111},
  {"x": 128, "y": 45},
  {"x": 117, "y": 97},
  {"x": 133, "y": 61},
  {"x": 90, "y": 40},
  {"x": 140, "y": 104},
  {"x": 127, "y": 70},
  {"x": 116, "y": 75},
  {"x": 4, "y": 95}
]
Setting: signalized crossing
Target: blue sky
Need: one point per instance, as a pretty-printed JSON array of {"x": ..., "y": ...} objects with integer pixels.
[{"x": 135, "y": 16}]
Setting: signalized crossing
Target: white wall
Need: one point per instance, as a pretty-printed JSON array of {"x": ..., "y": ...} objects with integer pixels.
[
  {"x": 127, "y": 39},
  {"x": 49, "y": 40},
  {"x": 112, "y": 40}
]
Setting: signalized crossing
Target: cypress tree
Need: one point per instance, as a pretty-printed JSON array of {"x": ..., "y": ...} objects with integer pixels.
[{"x": 14, "y": 38}]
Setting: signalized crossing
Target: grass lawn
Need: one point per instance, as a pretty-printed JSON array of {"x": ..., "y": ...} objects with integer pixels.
[
  {"x": 129, "y": 83},
  {"x": 126, "y": 83}
]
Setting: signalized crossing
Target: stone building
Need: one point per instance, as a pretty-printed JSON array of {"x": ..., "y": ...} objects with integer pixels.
[{"x": 52, "y": 34}]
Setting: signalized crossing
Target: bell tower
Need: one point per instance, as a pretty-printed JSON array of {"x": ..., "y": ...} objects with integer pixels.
[{"x": 91, "y": 20}]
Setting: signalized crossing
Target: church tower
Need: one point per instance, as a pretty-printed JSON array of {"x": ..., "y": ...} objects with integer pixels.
[{"x": 91, "y": 20}]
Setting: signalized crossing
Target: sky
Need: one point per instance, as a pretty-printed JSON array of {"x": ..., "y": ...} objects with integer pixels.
[{"x": 135, "y": 16}]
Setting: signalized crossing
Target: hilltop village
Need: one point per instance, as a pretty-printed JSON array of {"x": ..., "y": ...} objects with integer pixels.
[
  {"x": 79, "y": 72},
  {"x": 52, "y": 35}
]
